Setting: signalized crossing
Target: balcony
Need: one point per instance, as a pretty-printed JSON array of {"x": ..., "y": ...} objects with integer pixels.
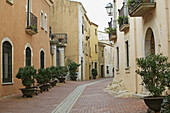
[
  {"x": 31, "y": 24},
  {"x": 112, "y": 35},
  {"x": 59, "y": 38},
  {"x": 138, "y": 8},
  {"x": 123, "y": 19}
]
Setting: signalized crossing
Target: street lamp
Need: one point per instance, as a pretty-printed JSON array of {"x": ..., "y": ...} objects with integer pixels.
[{"x": 109, "y": 9}]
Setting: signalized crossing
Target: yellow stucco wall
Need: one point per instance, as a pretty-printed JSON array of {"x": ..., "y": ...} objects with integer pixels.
[
  {"x": 101, "y": 62},
  {"x": 87, "y": 53},
  {"x": 158, "y": 20},
  {"x": 93, "y": 42},
  {"x": 12, "y": 25},
  {"x": 64, "y": 19}
]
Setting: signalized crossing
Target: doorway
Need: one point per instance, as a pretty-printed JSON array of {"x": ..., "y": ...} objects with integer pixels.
[{"x": 102, "y": 71}]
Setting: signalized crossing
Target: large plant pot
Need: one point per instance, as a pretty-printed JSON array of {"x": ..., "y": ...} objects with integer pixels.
[
  {"x": 27, "y": 92},
  {"x": 44, "y": 87},
  {"x": 53, "y": 83},
  {"x": 74, "y": 78},
  {"x": 154, "y": 103},
  {"x": 62, "y": 80}
]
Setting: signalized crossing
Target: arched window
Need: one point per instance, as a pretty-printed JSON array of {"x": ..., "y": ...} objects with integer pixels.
[
  {"x": 28, "y": 56},
  {"x": 7, "y": 62},
  {"x": 42, "y": 59}
]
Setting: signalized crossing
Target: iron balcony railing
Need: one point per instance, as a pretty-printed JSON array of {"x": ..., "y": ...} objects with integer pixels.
[
  {"x": 31, "y": 22},
  {"x": 112, "y": 31},
  {"x": 123, "y": 19},
  {"x": 134, "y": 3}
]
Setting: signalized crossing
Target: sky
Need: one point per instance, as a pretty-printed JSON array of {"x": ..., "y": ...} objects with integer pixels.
[{"x": 96, "y": 12}]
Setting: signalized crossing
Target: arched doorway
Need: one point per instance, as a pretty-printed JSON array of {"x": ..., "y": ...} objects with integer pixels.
[{"x": 149, "y": 42}]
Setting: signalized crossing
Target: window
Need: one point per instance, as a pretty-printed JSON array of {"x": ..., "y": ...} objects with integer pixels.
[
  {"x": 127, "y": 53},
  {"x": 117, "y": 57},
  {"x": 42, "y": 59},
  {"x": 96, "y": 65},
  {"x": 96, "y": 32},
  {"x": 96, "y": 48},
  {"x": 41, "y": 23},
  {"x": 82, "y": 25},
  {"x": 107, "y": 69},
  {"x": 7, "y": 62},
  {"x": 45, "y": 22},
  {"x": 28, "y": 56}
]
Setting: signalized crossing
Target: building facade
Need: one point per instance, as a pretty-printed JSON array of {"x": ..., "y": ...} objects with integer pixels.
[
  {"x": 94, "y": 46},
  {"x": 145, "y": 30},
  {"x": 24, "y": 39},
  {"x": 67, "y": 17},
  {"x": 106, "y": 55}
]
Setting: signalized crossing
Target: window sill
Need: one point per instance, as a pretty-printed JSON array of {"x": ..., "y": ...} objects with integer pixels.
[
  {"x": 127, "y": 68},
  {"x": 8, "y": 83},
  {"x": 9, "y": 2},
  {"x": 42, "y": 28}
]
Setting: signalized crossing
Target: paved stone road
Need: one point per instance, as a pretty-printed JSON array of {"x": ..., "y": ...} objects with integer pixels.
[{"x": 73, "y": 97}]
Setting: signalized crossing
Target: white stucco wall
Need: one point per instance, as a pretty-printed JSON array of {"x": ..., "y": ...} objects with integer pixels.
[
  {"x": 155, "y": 19},
  {"x": 81, "y": 13}
]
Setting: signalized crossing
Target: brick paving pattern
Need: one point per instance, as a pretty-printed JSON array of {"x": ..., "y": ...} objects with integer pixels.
[{"x": 92, "y": 100}]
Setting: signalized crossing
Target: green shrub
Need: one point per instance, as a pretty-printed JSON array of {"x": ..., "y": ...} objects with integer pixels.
[
  {"x": 165, "y": 106},
  {"x": 110, "y": 30},
  {"x": 154, "y": 70},
  {"x": 94, "y": 72},
  {"x": 61, "y": 71},
  {"x": 72, "y": 68},
  {"x": 43, "y": 76},
  {"x": 53, "y": 72},
  {"x": 26, "y": 74}
]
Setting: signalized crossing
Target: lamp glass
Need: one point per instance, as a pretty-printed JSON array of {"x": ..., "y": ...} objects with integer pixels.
[{"x": 109, "y": 9}]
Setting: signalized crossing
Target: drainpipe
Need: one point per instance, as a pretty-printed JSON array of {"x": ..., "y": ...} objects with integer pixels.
[
  {"x": 136, "y": 76},
  {"x": 168, "y": 27}
]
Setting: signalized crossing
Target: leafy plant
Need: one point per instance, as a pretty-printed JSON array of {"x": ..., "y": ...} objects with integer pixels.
[
  {"x": 43, "y": 76},
  {"x": 72, "y": 69},
  {"x": 61, "y": 71},
  {"x": 26, "y": 74},
  {"x": 165, "y": 106},
  {"x": 120, "y": 20},
  {"x": 94, "y": 72},
  {"x": 110, "y": 30},
  {"x": 125, "y": 19},
  {"x": 154, "y": 70},
  {"x": 53, "y": 72}
]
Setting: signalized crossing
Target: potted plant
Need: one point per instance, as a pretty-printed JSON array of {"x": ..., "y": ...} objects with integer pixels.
[
  {"x": 72, "y": 69},
  {"x": 120, "y": 20},
  {"x": 154, "y": 70},
  {"x": 43, "y": 78},
  {"x": 165, "y": 106},
  {"x": 94, "y": 73},
  {"x": 26, "y": 74},
  {"x": 53, "y": 80},
  {"x": 110, "y": 30},
  {"x": 61, "y": 73}
]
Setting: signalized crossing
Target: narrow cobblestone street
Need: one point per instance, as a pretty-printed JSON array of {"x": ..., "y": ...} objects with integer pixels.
[{"x": 73, "y": 97}]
